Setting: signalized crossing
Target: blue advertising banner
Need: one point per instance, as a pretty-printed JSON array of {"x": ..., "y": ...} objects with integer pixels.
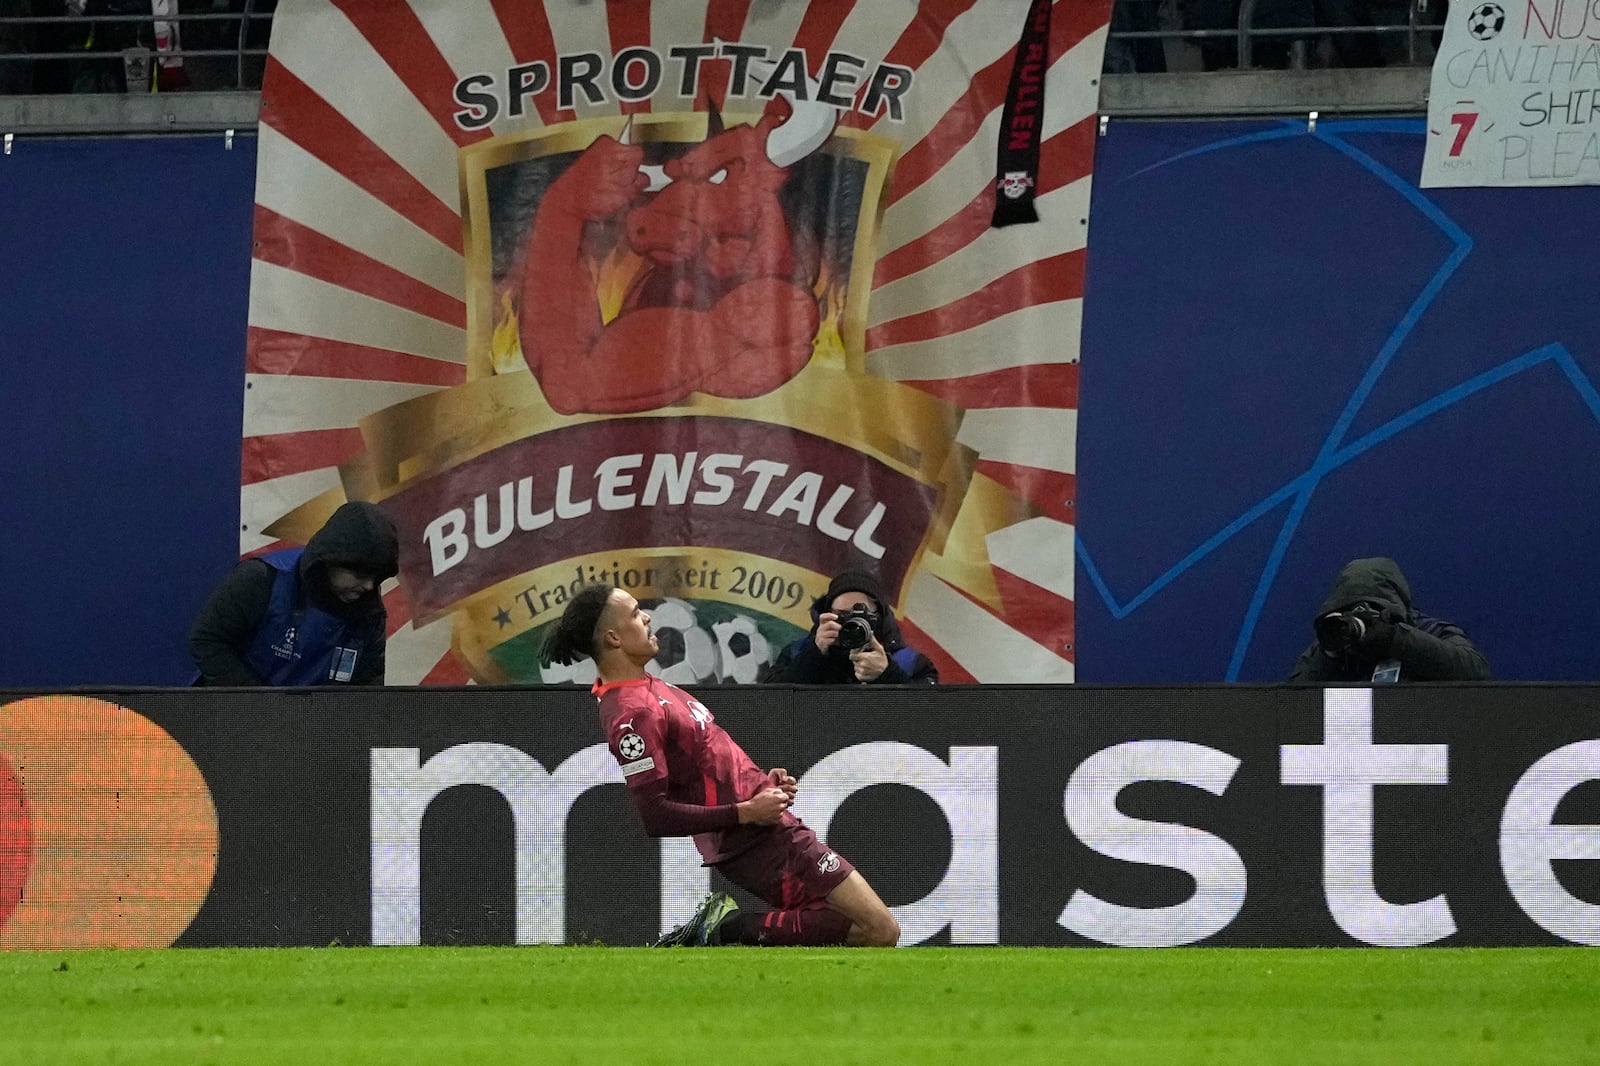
[{"x": 1294, "y": 358}]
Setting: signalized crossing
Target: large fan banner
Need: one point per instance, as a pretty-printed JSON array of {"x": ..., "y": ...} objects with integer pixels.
[
  {"x": 1515, "y": 95},
  {"x": 707, "y": 299}
]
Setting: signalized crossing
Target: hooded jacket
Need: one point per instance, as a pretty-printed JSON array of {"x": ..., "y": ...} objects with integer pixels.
[
  {"x": 802, "y": 663},
  {"x": 286, "y": 593},
  {"x": 1428, "y": 649}
]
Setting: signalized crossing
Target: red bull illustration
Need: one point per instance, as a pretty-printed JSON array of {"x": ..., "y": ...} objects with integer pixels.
[{"x": 721, "y": 301}]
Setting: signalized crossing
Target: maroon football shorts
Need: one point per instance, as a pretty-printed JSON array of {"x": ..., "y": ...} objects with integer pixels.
[{"x": 791, "y": 869}]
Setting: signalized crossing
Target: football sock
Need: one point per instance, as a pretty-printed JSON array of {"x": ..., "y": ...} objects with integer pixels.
[
  {"x": 817, "y": 927},
  {"x": 740, "y": 927}
]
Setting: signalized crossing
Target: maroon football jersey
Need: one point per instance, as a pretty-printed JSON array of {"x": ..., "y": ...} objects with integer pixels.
[{"x": 656, "y": 730}]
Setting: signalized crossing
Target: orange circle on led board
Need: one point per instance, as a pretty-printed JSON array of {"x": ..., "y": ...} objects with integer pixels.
[
  {"x": 120, "y": 827},
  {"x": 16, "y": 841}
]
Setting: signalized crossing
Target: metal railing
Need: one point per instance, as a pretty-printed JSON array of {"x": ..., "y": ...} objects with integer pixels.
[
  {"x": 145, "y": 43},
  {"x": 1244, "y": 35},
  {"x": 233, "y": 105}
]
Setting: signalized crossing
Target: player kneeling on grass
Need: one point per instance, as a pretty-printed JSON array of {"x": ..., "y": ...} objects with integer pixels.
[{"x": 687, "y": 777}]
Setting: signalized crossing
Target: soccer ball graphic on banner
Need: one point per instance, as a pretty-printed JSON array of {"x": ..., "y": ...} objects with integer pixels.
[
  {"x": 741, "y": 649},
  {"x": 688, "y": 654},
  {"x": 1486, "y": 21}
]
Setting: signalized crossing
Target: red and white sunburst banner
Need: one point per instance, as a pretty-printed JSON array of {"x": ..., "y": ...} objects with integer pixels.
[{"x": 697, "y": 297}]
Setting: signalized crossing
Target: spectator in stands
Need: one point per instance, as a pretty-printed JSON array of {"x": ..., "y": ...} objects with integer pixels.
[
  {"x": 1367, "y": 631},
  {"x": 129, "y": 42},
  {"x": 51, "y": 76},
  {"x": 1353, "y": 49},
  {"x": 854, "y": 639},
  {"x": 228, "y": 67},
  {"x": 210, "y": 73},
  {"x": 16, "y": 75},
  {"x": 1144, "y": 55},
  {"x": 1221, "y": 52},
  {"x": 1266, "y": 52},
  {"x": 1282, "y": 51},
  {"x": 304, "y": 616}
]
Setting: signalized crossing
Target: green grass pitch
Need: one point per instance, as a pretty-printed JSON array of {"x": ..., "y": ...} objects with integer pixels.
[{"x": 829, "y": 1007}]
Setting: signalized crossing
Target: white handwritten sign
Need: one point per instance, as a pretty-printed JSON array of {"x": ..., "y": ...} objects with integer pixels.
[{"x": 1515, "y": 96}]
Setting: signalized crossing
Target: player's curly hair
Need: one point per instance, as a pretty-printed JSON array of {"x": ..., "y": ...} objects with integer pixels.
[{"x": 573, "y": 637}]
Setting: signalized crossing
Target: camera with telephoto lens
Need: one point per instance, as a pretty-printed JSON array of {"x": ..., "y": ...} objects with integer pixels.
[
  {"x": 855, "y": 629},
  {"x": 1341, "y": 631}
]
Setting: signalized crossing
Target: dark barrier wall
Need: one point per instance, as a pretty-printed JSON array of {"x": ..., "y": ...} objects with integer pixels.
[
  {"x": 1291, "y": 357},
  {"x": 1029, "y": 816}
]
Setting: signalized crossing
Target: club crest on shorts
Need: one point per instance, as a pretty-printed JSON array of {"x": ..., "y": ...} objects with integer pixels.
[{"x": 828, "y": 863}]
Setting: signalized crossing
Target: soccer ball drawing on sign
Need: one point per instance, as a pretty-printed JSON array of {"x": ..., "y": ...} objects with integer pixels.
[{"x": 1486, "y": 21}]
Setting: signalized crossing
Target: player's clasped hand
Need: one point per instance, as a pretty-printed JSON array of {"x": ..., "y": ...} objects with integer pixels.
[
  {"x": 765, "y": 807},
  {"x": 780, "y": 778}
]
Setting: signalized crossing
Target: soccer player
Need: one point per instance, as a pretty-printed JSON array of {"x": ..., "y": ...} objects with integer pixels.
[{"x": 687, "y": 777}]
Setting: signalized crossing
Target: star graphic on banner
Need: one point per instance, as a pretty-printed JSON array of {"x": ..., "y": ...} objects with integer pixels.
[{"x": 502, "y": 618}]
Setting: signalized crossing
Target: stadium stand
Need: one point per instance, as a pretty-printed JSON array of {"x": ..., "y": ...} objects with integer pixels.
[{"x": 216, "y": 45}]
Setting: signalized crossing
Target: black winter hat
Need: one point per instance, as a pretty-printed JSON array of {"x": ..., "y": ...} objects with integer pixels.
[{"x": 855, "y": 581}]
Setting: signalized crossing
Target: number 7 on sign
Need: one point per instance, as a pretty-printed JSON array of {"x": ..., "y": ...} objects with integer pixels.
[{"x": 1463, "y": 122}]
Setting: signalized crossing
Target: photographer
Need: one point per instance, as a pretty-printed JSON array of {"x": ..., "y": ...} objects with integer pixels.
[
  {"x": 1367, "y": 631},
  {"x": 855, "y": 640},
  {"x": 304, "y": 616}
]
